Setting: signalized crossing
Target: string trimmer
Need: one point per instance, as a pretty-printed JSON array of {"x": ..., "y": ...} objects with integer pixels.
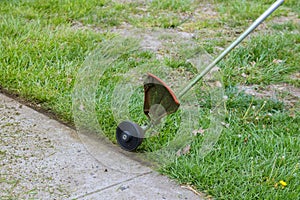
[{"x": 160, "y": 100}]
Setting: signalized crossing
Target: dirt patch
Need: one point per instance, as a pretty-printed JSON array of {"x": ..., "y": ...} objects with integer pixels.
[
  {"x": 280, "y": 20},
  {"x": 295, "y": 76},
  {"x": 284, "y": 92},
  {"x": 205, "y": 11},
  {"x": 154, "y": 38},
  {"x": 292, "y": 17},
  {"x": 157, "y": 40}
]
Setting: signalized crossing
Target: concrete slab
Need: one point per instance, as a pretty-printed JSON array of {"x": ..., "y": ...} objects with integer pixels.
[
  {"x": 42, "y": 159},
  {"x": 150, "y": 186}
]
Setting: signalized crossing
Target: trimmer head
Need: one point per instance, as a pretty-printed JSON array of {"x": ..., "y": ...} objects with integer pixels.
[{"x": 159, "y": 101}]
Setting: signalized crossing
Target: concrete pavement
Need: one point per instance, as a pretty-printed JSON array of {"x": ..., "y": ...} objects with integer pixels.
[{"x": 41, "y": 158}]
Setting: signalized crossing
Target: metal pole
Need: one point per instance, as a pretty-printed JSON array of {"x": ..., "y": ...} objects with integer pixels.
[{"x": 230, "y": 47}]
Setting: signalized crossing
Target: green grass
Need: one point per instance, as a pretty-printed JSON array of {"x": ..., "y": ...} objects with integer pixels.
[
  {"x": 43, "y": 45},
  {"x": 266, "y": 60},
  {"x": 259, "y": 146}
]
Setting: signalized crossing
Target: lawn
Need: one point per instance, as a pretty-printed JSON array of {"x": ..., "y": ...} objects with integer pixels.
[{"x": 47, "y": 48}]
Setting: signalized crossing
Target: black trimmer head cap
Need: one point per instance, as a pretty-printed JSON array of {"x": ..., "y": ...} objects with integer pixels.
[{"x": 129, "y": 135}]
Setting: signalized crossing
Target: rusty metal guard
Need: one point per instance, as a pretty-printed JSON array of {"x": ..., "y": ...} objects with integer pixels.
[{"x": 159, "y": 99}]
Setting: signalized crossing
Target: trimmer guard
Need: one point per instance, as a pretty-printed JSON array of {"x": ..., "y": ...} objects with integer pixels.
[{"x": 159, "y": 99}]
